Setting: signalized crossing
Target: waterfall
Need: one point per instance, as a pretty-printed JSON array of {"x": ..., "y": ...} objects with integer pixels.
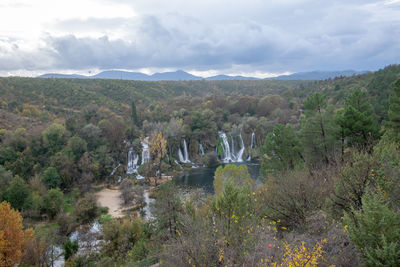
[
  {"x": 201, "y": 149},
  {"x": 145, "y": 150},
  {"x": 225, "y": 148},
  {"x": 240, "y": 153},
  {"x": 229, "y": 154},
  {"x": 115, "y": 169},
  {"x": 184, "y": 158},
  {"x": 185, "y": 151},
  {"x": 133, "y": 166},
  {"x": 253, "y": 140},
  {"x": 132, "y": 161},
  {"x": 180, "y": 155}
]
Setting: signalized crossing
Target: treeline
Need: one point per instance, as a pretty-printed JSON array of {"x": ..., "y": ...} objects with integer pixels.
[
  {"x": 330, "y": 152},
  {"x": 329, "y": 196}
]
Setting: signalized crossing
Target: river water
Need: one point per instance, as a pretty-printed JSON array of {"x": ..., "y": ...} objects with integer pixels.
[{"x": 204, "y": 177}]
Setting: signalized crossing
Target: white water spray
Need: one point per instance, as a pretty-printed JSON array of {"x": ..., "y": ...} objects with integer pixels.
[
  {"x": 184, "y": 158},
  {"x": 228, "y": 150},
  {"x": 145, "y": 150},
  {"x": 253, "y": 141}
]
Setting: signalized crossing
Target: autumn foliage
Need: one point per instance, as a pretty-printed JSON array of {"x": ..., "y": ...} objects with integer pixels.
[{"x": 12, "y": 236}]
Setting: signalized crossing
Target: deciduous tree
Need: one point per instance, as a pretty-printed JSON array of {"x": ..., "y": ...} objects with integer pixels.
[
  {"x": 12, "y": 236},
  {"x": 158, "y": 148}
]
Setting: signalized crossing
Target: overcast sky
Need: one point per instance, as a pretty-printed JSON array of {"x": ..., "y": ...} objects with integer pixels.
[{"x": 204, "y": 37}]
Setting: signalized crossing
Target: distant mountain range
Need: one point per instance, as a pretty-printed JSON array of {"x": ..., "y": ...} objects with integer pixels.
[{"x": 184, "y": 76}]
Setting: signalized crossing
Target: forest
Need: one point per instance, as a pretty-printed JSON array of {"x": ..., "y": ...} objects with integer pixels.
[{"x": 327, "y": 192}]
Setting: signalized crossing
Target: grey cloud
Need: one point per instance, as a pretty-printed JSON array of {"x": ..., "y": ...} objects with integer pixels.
[{"x": 270, "y": 36}]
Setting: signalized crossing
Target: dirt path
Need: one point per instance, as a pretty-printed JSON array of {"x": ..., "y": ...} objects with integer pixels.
[{"x": 111, "y": 198}]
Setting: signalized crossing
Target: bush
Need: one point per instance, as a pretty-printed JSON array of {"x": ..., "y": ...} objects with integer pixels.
[
  {"x": 121, "y": 236},
  {"x": 139, "y": 251},
  {"x": 289, "y": 198},
  {"x": 70, "y": 248},
  {"x": 375, "y": 231},
  {"x": 86, "y": 209}
]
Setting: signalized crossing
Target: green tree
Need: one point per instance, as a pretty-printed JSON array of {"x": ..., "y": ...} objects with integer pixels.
[
  {"x": 53, "y": 202},
  {"x": 135, "y": 117},
  {"x": 375, "y": 231},
  {"x": 18, "y": 194},
  {"x": 238, "y": 175},
  {"x": 70, "y": 248},
  {"x": 167, "y": 210},
  {"x": 51, "y": 177},
  {"x": 282, "y": 150},
  {"x": 394, "y": 108},
  {"x": 358, "y": 123},
  {"x": 318, "y": 129},
  {"x": 233, "y": 208},
  {"x": 121, "y": 236},
  {"x": 78, "y": 146},
  {"x": 86, "y": 209},
  {"x": 5, "y": 179},
  {"x": 92, "y": 135},
  {"x": 54, "y": 137}
]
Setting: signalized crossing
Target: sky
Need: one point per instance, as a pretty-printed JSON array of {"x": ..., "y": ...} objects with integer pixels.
[{"x": 260, "y": 38}]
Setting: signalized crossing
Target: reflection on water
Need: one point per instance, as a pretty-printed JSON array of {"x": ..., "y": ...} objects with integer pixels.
[{"x": 204, "y": 177}]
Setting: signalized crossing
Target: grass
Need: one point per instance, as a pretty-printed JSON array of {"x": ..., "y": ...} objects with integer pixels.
[
  {"x": 68, "y": 204},
  {"x": 105, "y": 218}
]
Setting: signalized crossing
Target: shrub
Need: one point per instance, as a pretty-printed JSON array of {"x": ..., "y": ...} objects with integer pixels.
[{"x": 375, "y": 231}]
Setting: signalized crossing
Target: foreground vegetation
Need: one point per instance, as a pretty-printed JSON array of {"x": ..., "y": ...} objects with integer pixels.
[{"x": 328, "y": 193}]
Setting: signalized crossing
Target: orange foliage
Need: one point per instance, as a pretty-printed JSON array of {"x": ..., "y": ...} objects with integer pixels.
[{"x": 12, "y": 236}]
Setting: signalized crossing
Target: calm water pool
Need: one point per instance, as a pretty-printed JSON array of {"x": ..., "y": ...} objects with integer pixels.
[{"x": 204, "y": 177}]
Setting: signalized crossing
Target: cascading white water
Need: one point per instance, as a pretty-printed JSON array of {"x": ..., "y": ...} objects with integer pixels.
[
  {"x": 201, "y": 149},
  {"x": 225, "y": 148},
  {"x": 229, "y": 154},
  {"x": 233, "y": 148},
  {"x": 240, "y": 153},
  {"x": 253, "y": 139},
  {"x": 145, "y": 150},
  {"x": 184, "y": 158},
  {"x": 115, "y": 169},
  {"x": 132, "y": 161},
  {"x": 133, "y": 166},
  {"x": 185, "y": 151},
  {"x": 180, "y": 155}
]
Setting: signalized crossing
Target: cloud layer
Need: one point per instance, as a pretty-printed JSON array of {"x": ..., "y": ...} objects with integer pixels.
[{"x": 226, "y": 36}]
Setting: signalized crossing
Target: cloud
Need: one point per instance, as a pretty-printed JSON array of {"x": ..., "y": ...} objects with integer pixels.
[{"x": 268, "y": 36}]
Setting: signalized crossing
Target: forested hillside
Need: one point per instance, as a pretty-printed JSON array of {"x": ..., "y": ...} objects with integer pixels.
[{"x": 327, "y": 193}]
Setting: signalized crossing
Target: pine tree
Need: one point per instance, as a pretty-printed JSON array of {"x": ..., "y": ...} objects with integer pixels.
[
  {"x": 135, "y": 117},
  {"x": 375, "y": 231},
  {"x": 358, "y": 122},
  {"x": 394, "y": 108},
  {"x": 282, "y": 149},
  {"x": 318, "y": 129}
]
